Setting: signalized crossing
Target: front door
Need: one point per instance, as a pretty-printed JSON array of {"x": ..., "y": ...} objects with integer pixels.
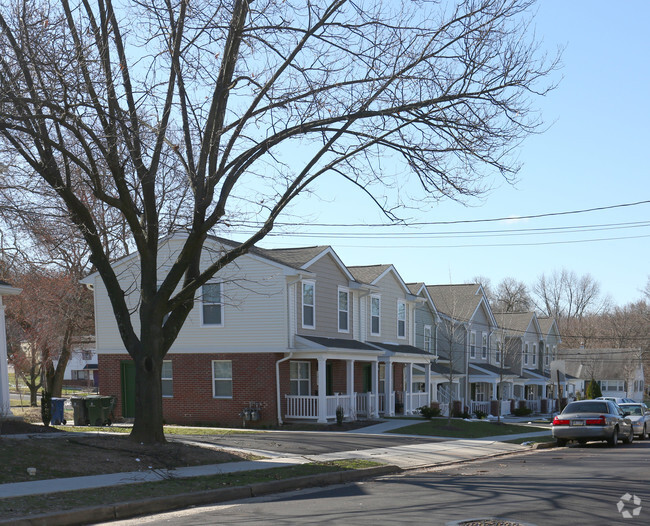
[
  {"x": 367, "y": 378},
  {"x": 127, "y": 377}
]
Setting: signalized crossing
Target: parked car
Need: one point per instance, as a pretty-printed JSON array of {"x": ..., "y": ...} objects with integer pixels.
[
  {"x": 640, "y": 417},
  {"x": 589, "y": 420},
  {"x": 617, "y": 399}
]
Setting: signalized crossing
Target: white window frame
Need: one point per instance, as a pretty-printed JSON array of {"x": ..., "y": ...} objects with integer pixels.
[
  {"x": 300, "y": 380},
  {"x": 401, "y": 323},
  {"x": 472, "y": 344},
  {"x": 484, "y": 346},
  {"x": 206, "y": 303},
  {"x": 427, "y": 338},
  {"x": 169, "y": 379},
  {"x": 343, "y": 290},
  {"x": 525, "y": 354},
  {"x": 312, "y": 284},
  {"x": 216, "y": 379},
  {"x": 378, "y": 298}
]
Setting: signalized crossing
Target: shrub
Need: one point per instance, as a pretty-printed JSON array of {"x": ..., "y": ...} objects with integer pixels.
[
  {"x": 340, "y": 414},
  {"x": 429, "y": 412},
  {"x": 522, "y": 411},
  {"x": 593, "y": 390},
  {"x": 480, "y": 414},
  {"x": 461, "y": 414}
]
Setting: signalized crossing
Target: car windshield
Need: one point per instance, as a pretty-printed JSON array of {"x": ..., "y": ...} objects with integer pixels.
[
  {"x": 586, "y": 407},
  {"x": 633, "y": 409}
]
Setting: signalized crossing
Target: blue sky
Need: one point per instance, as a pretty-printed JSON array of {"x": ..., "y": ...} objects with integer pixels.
[{"x": 595, "y": 154}]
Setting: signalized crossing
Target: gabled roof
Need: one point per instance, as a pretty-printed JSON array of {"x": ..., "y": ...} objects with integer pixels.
[
  {"x": 459, "y": 301},
  {"x": 372, "y": 274},
  {"x": 420, "y": 289},
  {"x": 294, "y": 257},
  {"x": 547, "y": 324},
  {"x": 600, "y": 364},
  {"x": 516, "y": 323}
]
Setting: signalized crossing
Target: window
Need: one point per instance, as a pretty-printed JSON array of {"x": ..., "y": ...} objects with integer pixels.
[
  {"x": 534, "y": 354},
  {"x": 86, "y": 355},
  {"x": 546, "y": 357},
  {"x": 427, "y": 338},
  {"x": 375, "y": 312},
  {"x": 308, "y": 306},
  {"x": 212, "y": 308},
  {"x": 166, "y": 376},
  {"x": 472, "y": 345},
  {"x": 497, "y": 354},
  {"x": 401, "y": 319},
  {"x": 484, "y": 347},
  {"x": 80, "y": 375},
  {"x": 299, "y": 378},
  {"x": 526, "y": 354},
  {"x": 344, "y": 310},
  {"x": 222, "y": 378}
]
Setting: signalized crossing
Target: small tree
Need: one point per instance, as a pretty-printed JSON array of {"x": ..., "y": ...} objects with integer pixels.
[{"x": 593, "y": 390}]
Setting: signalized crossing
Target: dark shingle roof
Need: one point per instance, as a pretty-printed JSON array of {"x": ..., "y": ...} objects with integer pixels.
[
  {"x": 402, "y": 349},
  {"x": 514, "y": 323},
  {"x": 339, "y": 343},
  {"x": 600, "y": 364},
  {"x": 294, "y": 257}
]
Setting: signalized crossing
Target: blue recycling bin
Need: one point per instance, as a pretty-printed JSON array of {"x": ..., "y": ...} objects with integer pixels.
[{"x": 58, "y": 416}]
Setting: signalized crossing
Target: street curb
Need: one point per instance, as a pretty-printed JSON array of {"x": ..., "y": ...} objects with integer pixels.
[
  {"x": 126, "y": 510},
  {"x": 544, "y": 445}
]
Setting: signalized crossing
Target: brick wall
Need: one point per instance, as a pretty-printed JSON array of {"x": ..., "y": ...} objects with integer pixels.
[{"x": 193, "y": 401}]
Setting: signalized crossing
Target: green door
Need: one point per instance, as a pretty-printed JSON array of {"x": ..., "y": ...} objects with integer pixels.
[
  {"x": 367, "y": 378},
  {"x": 127, "y": 376}
]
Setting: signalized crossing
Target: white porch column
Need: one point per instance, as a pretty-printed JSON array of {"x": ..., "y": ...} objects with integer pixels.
[
  {"x": 5, "y": 400},
  {"x": 408, "y": 392},
  {"x": 390, "y": 406},
  {"x": 434, "y": 391},
  {"x": 322, "y": 390},
  {"x": 349, "y": 364},
  {"x": 427, "y": 381},
  {"x": 374, "y": 388}
]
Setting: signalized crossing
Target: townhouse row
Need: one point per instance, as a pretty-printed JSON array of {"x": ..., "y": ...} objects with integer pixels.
[{"x": 291, "y": 334}]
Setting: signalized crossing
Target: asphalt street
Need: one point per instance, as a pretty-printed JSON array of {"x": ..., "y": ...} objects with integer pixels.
[{"x": 591, "y": 484}]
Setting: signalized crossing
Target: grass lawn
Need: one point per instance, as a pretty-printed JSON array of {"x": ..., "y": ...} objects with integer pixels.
[
  {"x": 23, "y": 506},
  {"x": 464, "y": 429}
]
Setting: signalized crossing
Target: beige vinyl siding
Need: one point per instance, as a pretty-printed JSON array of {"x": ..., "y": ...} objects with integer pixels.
[
  {"x": 255, "y": 305},
  {"x": 329, "y": 277},
  {"x": 390, "y": 291}
]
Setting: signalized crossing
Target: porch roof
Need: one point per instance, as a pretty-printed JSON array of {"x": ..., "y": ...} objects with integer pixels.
[
  {"x": 335, "y": 343},
  {"x": 402, "y": 349},
  {"x": 495, "y": 369},
  {"x": 443, "y": 370},
  {"x": 534, "y": 377},
  {"x": 478, "y": 374}
]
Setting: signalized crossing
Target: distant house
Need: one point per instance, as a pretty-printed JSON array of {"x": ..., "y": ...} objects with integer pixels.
[
  {"x": 5, "y": 402},
  {"x": 619, "y": 372},
  {"x": 82, "y": 369}
]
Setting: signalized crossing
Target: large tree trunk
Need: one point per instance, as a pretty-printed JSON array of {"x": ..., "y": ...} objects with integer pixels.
[
  {"x": 148, "y": 425},
  {"x": 55, "y": 375}
]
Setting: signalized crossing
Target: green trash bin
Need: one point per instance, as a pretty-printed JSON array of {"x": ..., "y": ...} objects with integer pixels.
[
  {"x": 100, "y": 409},
  {"x": 80, "y": 411}
]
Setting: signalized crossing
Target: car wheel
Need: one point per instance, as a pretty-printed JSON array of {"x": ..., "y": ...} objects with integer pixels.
[
  {"x": 644, "y": 433},
  {"x": 629, "y": 439},
  {"x": 613, "y": 440},
  {"x": 560, "y": 442},
  {"x": 582, "y": 442}
]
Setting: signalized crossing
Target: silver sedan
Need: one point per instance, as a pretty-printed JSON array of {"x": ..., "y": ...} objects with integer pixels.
[
  {"x": 589, "y": 420},
  {"x": 640, "y": 417}
]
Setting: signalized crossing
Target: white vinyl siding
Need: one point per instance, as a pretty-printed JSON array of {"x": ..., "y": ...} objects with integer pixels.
[
  {"x": 222, "y": 378},
  {"x": 375, "y": 315},
  {"x": 211, "y": 305},
  {"x": 401, "y": 319},
  {"x": 344, "y": 310},
  {"x": 300, "y": 378},
  {"x": 308, "y": 304}
]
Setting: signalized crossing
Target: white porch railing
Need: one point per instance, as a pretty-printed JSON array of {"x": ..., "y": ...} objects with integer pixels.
[
  {"x": 344, "y": 401},
  {"x": 483, "y": 406},
  {"x": 417, "y": 400},
  {"x": 365, "y": 404},
  {"x": 302, "y": 406}
]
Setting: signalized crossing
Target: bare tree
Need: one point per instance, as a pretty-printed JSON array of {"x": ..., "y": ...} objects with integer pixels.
[
  {"x": 512, "y": 296},
  {"x": 486, "y": 283},
  {"x": 200, "y": 116}
]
